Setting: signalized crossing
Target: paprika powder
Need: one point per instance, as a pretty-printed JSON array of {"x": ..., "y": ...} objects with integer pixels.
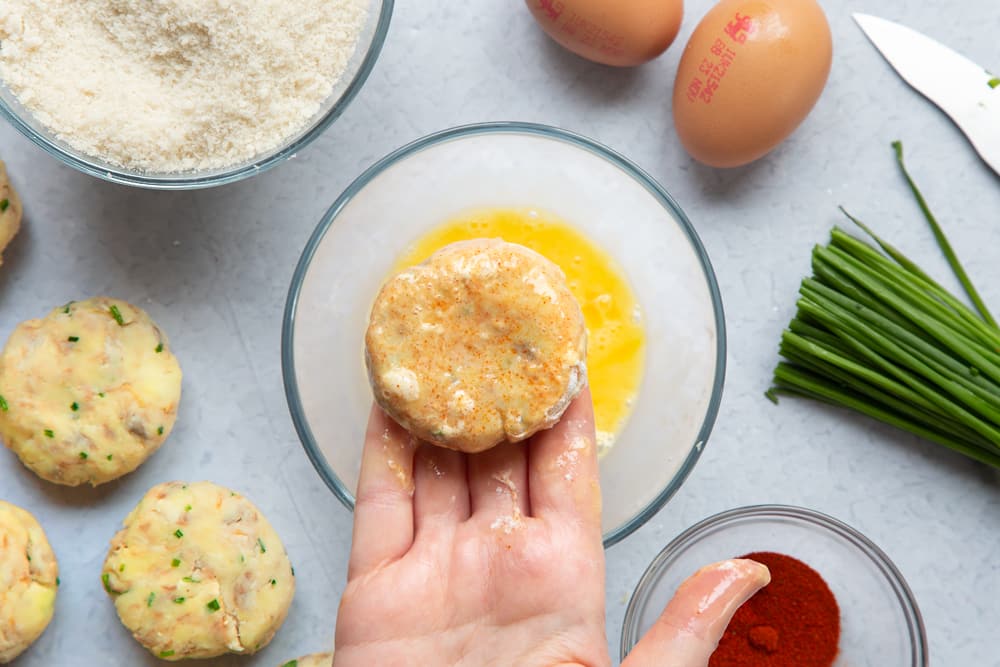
[{"x": 792, "y": 622}]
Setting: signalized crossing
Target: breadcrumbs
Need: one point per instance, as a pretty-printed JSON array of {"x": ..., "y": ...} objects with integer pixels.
[{"x": 176, "y": 85}]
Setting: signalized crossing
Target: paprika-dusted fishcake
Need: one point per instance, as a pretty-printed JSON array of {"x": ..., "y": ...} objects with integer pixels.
[
  {"x": 28, "y": 581},
  {"x": 89, "y": 391},
  {"x": 197, "y": 572},
  {"x": 314, "y": 660},
  {"x": 482, "y": 343},
  {"x": 10, "y": 211}
]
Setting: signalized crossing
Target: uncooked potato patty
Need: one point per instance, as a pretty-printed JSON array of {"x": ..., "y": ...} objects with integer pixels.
[
  {"x": 10, "y": 211},
  {"x": 28, "y": 572},
  {"x": 197, "y": 571},
  {"x": 482, "y": 343},
  {"x": 314, "y": 660},
  {"x": 89, "y": 392}
]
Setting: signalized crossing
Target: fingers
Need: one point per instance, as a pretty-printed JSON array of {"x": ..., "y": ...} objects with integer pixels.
[
  {"x": 562, "y": 467},
  {"x": 383, "y": 512},
  {"x": 442, "y": 491},
  {"x": 690, "y": 627},
  {"x": 498, "y": 484}
]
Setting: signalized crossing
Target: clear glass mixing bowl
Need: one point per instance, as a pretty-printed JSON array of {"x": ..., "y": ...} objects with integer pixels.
[
  {"x": 358, "y": 68},
  {"x": 880, "y": 623},
  {"x": 511, "y": 165}
]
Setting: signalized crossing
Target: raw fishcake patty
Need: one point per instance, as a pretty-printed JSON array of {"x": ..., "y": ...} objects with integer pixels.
[
  {"x": 10, "y": 211},
  {"x": 28, "y": 572},
  {"x": 89, "y": 392},
  {"x": 314, "y": 660},
  {"x": 482, "y": 343},
  {"x": 197, "y": 571}
]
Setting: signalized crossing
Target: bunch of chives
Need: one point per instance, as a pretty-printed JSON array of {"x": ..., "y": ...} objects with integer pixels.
[{"x": 875, "y": 334}]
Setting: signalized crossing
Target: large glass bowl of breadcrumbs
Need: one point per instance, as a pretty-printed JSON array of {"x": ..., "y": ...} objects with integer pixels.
[
  {"x": 650, "y": 303},
  {"x": 175, "y": 95}
]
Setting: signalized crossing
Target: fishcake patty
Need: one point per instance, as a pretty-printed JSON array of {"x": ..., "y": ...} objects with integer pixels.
[
  {"x": 28, "y": 581},
  {"x": 10, "y": 211},
  {"x": 482, "y": 343},
  {"x": 197, "y": 572},
  {"x": 313, "y": 660},
  {"x": 89, "y": 392}
]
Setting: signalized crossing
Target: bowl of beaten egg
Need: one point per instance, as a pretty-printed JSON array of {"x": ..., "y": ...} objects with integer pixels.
[{"x": 656, "y": 354}]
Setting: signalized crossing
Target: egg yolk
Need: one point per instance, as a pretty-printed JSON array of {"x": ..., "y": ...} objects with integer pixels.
[{"x": 616, "y": 338}]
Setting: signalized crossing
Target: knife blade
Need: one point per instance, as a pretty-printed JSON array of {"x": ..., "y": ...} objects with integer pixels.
[{"x": 965, "y": 91}]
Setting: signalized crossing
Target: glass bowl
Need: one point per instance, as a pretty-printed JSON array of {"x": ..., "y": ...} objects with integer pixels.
[
  {"x": 511, "y": 165},
  {"x": 356, "y": 73},
  {"x": 881, "y": 625}
]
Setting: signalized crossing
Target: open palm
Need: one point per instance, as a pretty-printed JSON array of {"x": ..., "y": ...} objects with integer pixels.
[{"x": 496, "y": 559}]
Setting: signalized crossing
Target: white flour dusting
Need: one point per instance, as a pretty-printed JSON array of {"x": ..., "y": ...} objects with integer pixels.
[
  {"x": 570, "y": 459},
  {"x": 176, "y": 85},
  {"x": 506, "y": 486}
]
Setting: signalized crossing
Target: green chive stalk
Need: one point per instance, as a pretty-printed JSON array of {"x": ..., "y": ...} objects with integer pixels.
[{"x": 875, "y": 334}]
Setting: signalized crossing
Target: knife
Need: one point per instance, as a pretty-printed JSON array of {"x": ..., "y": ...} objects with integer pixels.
[{"x": 968, "y": 93}]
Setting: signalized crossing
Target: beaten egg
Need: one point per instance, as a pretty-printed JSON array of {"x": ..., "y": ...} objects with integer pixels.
[
  {"x": 749, "y": 75},
  {"x": 616, "y": 348},
  {"x": 612, "y": 32}
]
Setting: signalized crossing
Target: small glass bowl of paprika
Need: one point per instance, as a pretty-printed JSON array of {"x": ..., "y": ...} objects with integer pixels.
[{"x": 871, "y": 618}]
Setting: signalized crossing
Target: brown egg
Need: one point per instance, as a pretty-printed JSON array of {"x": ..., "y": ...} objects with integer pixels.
[
  {"x": 748, "y": 76},
  {"x": 614, "y": 32}
]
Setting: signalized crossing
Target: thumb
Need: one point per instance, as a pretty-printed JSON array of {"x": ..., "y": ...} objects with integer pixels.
[{"x": 691, "y": 626}]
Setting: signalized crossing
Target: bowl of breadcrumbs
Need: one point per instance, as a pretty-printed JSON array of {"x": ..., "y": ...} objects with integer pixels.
[{"x": 182, "y": 94}]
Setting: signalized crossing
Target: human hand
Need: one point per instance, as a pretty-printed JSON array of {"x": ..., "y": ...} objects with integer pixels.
[{"x": 497, "y": 559}]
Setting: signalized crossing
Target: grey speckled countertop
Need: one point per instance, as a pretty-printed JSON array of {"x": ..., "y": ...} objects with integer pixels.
[{"x": 213, "y": 268}]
